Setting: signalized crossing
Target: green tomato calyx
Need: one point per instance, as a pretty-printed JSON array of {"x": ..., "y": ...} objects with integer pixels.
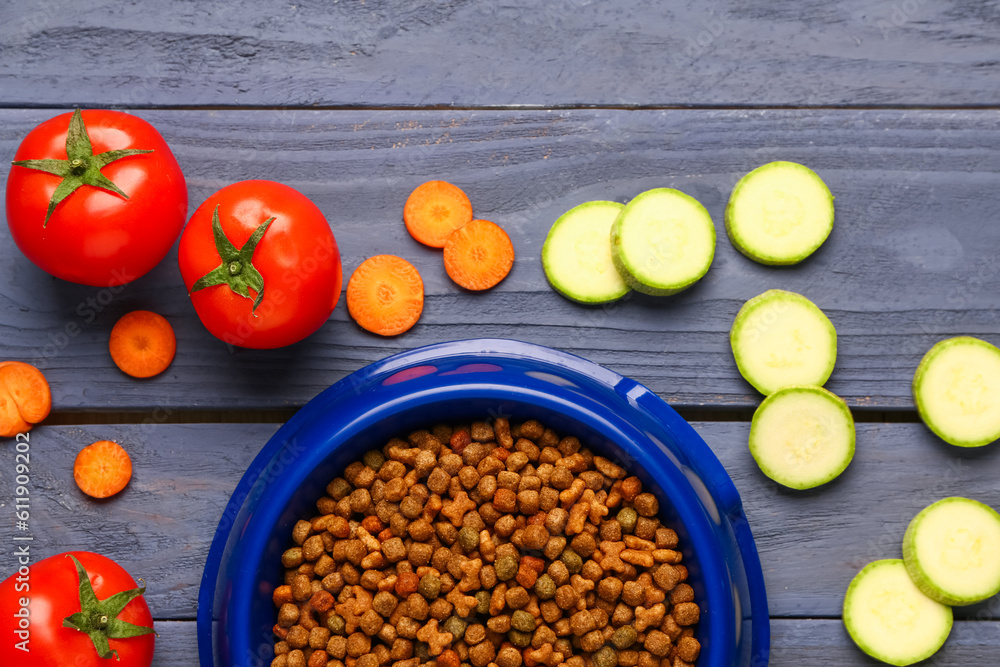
[
  {"x": 237, "y": 269},
  {"x": 81, "y": 167},
  {"x": 98, "y": 619}
]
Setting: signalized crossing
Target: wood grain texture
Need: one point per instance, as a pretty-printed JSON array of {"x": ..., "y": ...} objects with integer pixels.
[
  {"x": 794, "y": 643},
  {"x": 811, "y": 543},
  {"x": 563, "y": 52},
  {"x": 913, "y": 257}
]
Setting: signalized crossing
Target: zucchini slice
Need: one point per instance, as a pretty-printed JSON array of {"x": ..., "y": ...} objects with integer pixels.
[
  {"x": 576, "y": 255},
  {"x": 890, "y": 619},
  {"x": 802, "y": 437},
  {"x": 663, "y": 242},
  {"x": 781, "y": 339},
  {"x": 957, "y": 391},
  {"x": 779, "y": 213},
  {"x": 952, "y": 551}
]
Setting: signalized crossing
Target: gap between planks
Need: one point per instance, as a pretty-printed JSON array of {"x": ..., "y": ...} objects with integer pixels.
[{"x": 524, "y": 107}]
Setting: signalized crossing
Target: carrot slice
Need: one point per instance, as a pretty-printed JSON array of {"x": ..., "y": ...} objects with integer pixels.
[
  {"x": 102, "y": 469},
  {"x": 142, "y": 344},
  {"x": 25, "y": 397},
  {"x": 434, "y": 210},
  {"x": 385, "y": 295},
  {"x": 479, "y": 255},
  {"x": 11, "y": 421}
]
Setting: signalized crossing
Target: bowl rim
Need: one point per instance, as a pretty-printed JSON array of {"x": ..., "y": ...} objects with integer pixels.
[{"x": 716, "y": 482}]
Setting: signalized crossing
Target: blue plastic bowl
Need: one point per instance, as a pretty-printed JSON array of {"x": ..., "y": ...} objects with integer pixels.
[{"x": 476, "y": 379}]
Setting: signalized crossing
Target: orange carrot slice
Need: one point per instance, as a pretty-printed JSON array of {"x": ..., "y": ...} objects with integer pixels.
[
  {"x": 434, "y": 210},
  {"x": 479, "y": 255},
  {"x": 142, "y": 344},
  {"x": 25, "y": 397},
  {"x": 102, "y": 469},
  {"x": 385, "y": 295}
]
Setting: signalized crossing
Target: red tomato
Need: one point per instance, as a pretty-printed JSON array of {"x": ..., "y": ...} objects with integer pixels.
[
  {"x": 95, "y": 236},
  {"x": 51, "y": 590},
  {"x": 296, "y": 256}
]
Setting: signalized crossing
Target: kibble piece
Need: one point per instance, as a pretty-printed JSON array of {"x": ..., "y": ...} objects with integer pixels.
[
  {"x": 468, "y": 538},
  {"x": 688, "y": 649},
  {"x": 506, "y": 568},
  {"x": 522, "y": 621},
  {"x": 508, "y": 656},
  {"x": 657, "y": 643},
  {"x": 682, "y": 593},
  {"x": 482, "y": 654},
  {"x": 519, "y": 639},
  {"x": 288, "y": 615},
  {"x": 610, "y": 588},
  {"x": 686, "y": 613},
  {"x": 627, "y": 518},
  {"x": 624, "y": 637},
  {"x": 606, "y": 657},
  {"x": 429, "y": 586},
  {"x": 572, "y": 561}
]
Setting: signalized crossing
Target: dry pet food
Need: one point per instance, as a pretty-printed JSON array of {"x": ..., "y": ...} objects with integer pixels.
[{"x": 488, "y": 544}]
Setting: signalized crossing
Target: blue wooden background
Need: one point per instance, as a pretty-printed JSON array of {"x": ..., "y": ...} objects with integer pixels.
[{"x": 532, "y": 108}]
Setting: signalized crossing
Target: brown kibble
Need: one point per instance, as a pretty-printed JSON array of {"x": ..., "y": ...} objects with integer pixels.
[
  {"x": 358, "y": 644},
  {"x": 296, "y": 658},
  {"x": 282, "y": 595},
  {"x": 682, "y": 593},
  {"x": 321, "y": 601},
  {"x": 632, "y": 593},
  {"x": 535, "y": 537},
  {"x": 630, "y": 488},
  {"x": 288, "y": 615},
  {"x": 508, "y": 657},
  {"x": 447, "y": 659},
  {"x": 610, "y": 588},
  {"x": 686, "y": 613},
  {"x": 298, "y": 637},
  {"x": 482, "y": 654},
  {"x": 688, "y": 649},
  {"x": 301, "y": 588},
  {"x": 657, "y": 643},
  {"x": 646, "y": 504}
]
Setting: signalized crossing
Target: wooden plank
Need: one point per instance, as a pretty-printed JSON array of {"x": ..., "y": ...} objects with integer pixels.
[
  {"x": 564, "y": 52},
  {"x": 913, "y": 258},
  {"x": 794, "y": 642},
  {"x": 811, "y": 543}
]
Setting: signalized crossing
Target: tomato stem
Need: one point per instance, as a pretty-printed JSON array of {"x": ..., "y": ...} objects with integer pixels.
[
  {"x": 237, "y": 269},
  {"x": 82, "y": 166},
  {"x": 98, "y": 619}
]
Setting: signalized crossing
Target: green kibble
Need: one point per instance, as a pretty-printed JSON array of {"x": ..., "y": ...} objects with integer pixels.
[
  {"x": 627, "y": 518},
  {"x": 624, "y": 637},
  {"x": 571, "y": 560},
  {"x": 606, "y": 657},
  {"x": 519, "y": 639},
  {"x": 455, "y": 626},
  {"x": 468, "y": 539},
  {"x": 522, "y": 621},
  {"x": 420, "y": 650},
  {"x": 506, "y": 568},
  {"x": 338, "y": 488},
  {"x": 429, "y": 586},
  {"x": 482, "y": 602},
  {"x": 336, "y": 624},
  {"x": 373, "y": 459},
  {"x": 545, "y": 587}
]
